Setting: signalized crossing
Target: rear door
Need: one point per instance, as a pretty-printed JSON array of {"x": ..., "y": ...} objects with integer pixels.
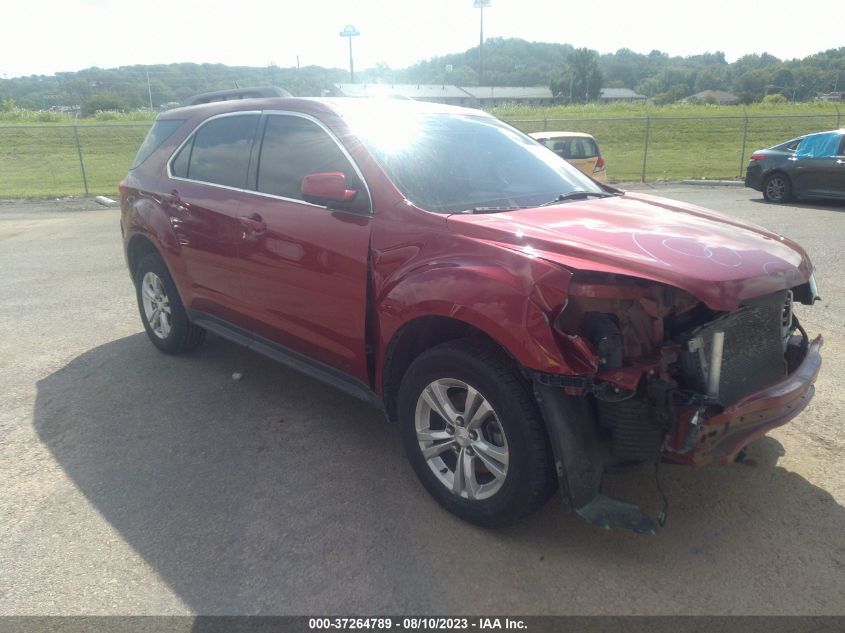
[
  {"x": 304, "y": 265},
  {"x": 204, "y": 180},
  {"x": 819, "y": 166},
  {"x": 834, "y": 183}
]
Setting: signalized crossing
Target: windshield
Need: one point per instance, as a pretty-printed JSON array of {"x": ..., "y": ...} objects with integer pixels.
[{"x": 450, "y": 163}]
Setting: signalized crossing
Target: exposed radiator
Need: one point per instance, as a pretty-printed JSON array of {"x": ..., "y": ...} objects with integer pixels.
[{"x": 753, "y": 351}]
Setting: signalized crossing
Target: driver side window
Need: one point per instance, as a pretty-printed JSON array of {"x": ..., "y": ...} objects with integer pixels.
[{"x": 293, "y": 147}]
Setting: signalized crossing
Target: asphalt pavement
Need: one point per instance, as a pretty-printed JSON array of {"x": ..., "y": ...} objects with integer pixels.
[{"x": 138, "y": 483}]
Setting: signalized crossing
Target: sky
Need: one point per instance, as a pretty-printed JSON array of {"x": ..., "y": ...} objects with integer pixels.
[{"x": 51, "y": 36}]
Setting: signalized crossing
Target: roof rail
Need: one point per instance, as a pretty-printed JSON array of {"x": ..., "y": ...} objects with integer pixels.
[{"x": 237, "y": 93}]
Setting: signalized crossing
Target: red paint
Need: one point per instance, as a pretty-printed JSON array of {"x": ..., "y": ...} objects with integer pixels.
[
  {"x": 724, "y": 435},
  {"x": 298, "y": 274},
  {"x": 719, "y": 260}
]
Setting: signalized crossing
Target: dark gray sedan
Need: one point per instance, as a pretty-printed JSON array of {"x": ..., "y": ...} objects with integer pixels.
[{"x": 811, "y": 166}]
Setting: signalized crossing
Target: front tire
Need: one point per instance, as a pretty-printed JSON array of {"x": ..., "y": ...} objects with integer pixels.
[
  {"x": 777, "y": 188},
  {"x": 162, "y": 313},
  {"x": 473, "y": 434}
]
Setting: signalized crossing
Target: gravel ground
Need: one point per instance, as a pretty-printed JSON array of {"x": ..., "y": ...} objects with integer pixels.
[{"x": 136, "y": 483}]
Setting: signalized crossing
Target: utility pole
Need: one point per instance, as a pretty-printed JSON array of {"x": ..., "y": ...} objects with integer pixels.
[
  {"x": 350, "y": 32},
  {"x": 480, "y": 4},
  {"x": 149, "y": 91}
]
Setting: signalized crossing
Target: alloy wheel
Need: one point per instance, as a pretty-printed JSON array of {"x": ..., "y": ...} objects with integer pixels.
[
  {"x": 461, "y": 439},
  {"x": 775, "y": 188},
  {"x": 156, "y": 305}
]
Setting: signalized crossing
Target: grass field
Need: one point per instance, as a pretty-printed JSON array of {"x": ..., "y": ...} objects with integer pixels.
[
  {"x": 684, "y": 141},
  {"x": 41, "y": 159}
]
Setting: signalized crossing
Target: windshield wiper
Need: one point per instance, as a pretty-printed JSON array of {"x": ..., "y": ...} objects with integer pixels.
[{"x": 578, "y": 195}]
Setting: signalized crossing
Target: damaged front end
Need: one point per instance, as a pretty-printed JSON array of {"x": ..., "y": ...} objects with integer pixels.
[{"x": 674, "y": 381}]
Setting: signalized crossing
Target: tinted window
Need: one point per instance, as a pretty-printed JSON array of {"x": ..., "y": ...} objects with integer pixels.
[
  {"x": 573, "y": 147},
  {"x": 793, "y": 145},
  {"x": 219, "y": 152},
  {"x": 179, "y": 165},
  {"x": 158, "y": 133},
  {"x": 294, "y": 147}
]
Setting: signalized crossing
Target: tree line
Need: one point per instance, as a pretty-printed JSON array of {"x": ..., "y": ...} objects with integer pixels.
[{"x": 576, "y": 74}]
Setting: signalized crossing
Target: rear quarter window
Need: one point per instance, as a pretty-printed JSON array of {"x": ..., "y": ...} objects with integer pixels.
[{"x": 159, "y": 132}]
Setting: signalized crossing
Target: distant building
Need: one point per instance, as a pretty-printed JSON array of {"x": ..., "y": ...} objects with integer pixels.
[
  {"x": 438, "y": 93},
  {"x": 614, "y": 95},
  {"x": 830, "y": 96},
  {"x": 71, "y": 109},
  {"x": 492, "y": 96},
  {"x": 719, "y": 97},
  {"x": 469, "y": 96}
]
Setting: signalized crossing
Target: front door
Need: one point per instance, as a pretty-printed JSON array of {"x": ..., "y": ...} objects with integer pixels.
[{"x": 304, "y": 266}]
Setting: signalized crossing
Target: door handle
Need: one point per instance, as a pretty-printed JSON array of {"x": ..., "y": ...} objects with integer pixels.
[
  {"x": 254, "y": 223},
  {"x": 840, "y": 162}
]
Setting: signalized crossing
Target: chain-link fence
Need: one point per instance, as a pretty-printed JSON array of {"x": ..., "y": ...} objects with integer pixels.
[
  {"x": 58, "y": 160},
  {"x": 675, "y": 148}
]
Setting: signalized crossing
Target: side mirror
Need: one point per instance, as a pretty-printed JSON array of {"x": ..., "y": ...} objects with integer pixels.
[{"x": 324, "y": 187}]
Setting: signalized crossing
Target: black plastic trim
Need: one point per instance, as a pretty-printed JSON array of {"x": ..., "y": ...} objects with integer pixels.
[{"x": 286, "y": 356}]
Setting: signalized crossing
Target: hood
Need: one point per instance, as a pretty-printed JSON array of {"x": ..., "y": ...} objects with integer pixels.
[{"x": 719, "y": 260}]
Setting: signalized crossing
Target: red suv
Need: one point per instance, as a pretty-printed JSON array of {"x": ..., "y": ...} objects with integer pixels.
[{"x": 527, "y": 327}]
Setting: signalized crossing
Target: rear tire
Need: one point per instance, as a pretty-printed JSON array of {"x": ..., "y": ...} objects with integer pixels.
[
  {"x": 777, "y": 188},
  {"x": 162, "y": 313},
  {"x": 474, "y": 435}
]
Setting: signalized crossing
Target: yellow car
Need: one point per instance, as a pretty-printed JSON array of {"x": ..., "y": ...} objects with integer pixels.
[{"x": 578, "y": 148}]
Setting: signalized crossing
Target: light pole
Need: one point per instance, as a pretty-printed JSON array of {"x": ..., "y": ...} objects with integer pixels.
[
  {"x": 480, "y": 4},
  {"x": 350, "y": 32},
  {"x": 149, "y": 91}
]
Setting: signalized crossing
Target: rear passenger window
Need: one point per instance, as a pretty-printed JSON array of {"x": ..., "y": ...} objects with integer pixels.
[
  {"x": 573, "y": 148},
  {"x": 294, "y": 147},
  {"x": 219, "y": 151},
  {"x": 822, "y": 145}
]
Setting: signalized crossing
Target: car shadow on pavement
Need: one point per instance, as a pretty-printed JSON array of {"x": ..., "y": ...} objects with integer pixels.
[
  {"x": 822, "y": 204},
  {"x": 273, "y": 494}
]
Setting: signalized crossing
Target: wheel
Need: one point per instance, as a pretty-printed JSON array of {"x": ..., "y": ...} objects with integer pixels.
[
  {"x": 777, "y": 188},
  {"x": 473, "y": 434},
  {"x": 162, "y": 313}
]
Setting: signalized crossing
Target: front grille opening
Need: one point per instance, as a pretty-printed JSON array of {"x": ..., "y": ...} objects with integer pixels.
[{"x": 752, "y": 354}]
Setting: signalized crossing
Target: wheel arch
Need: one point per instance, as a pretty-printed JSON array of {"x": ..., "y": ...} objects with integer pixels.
[
  {"x": 778, "y": 171},
  {"x": 510, "y": 305},
  {"x": 414, "y": 338},
  {"x": 139, "y": 245}
]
